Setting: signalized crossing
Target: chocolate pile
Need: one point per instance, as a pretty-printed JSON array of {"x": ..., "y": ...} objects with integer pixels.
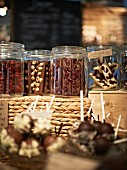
[
  {"x": 92, "y": 138},
  {"x": 29, "y": 137},
  {"x": 103, "y": 74},
  {"x": 67, "y": 76}
]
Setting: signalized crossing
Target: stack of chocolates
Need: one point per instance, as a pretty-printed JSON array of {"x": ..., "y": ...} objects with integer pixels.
[
  {"x": 11, "y": 68},
  {"x": 37, "y": 72},
  {"x": 67, "y": 71}
]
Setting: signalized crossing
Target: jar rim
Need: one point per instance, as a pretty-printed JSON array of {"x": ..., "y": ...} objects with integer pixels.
[
  {"x": 8, "y": 45},
  {"x": 68, "y": 49},
  {"x": 102, "y": 47}
]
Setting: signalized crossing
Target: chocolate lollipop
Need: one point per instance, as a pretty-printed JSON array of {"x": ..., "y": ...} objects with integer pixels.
[
  {"x": 11, "y": 139},
  {"x": 101, "y": 145}
]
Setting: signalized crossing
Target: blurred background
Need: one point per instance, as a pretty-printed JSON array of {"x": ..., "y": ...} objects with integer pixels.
[{"x": 41, "y": 24}]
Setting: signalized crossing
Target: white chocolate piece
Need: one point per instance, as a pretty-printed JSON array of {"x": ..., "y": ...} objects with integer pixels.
[{"x": 107, "y": 73}]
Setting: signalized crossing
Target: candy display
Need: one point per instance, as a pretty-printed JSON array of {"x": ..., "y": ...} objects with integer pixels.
[
  {"x": 37, "y": 72},
  {"x": 92, "y": 138},
  {"x": 68, "y": 71},
  {"x": 11, "y": 68},
  {"x": 31, "y": 137},
  {"x": 104, "y": 68}
]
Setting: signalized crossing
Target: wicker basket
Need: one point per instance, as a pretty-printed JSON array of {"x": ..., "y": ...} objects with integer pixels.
[{"x": 65, "y": 110}]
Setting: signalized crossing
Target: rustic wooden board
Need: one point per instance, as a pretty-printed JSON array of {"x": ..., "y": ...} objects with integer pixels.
[
  {"x": 68, "y": 162},
  {"x": 115, "y": 104}
]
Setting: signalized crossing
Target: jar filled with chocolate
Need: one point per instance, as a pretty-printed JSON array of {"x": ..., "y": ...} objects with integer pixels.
[
  {"x": 124, "y": 66},
  {"x": 104, "y": 67},
  {"x": 37, "y": 77},
  {"x": 68, "y": 71},
  {"x": 11, "y": 68}
]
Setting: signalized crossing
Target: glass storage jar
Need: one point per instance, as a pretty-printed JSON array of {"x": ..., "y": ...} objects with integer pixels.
[
  {"x": 11, "y": 68},
  {"x": 37, "y": 77},
  {"x": 68, "y": 71},
  {"x": 104, "y": 67},
  {"x": 124, "y": 66}
]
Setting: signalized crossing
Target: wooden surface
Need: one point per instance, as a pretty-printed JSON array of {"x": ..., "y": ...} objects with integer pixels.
[
  {"x": 60, "y": 161},
  {"x": 115, "y": 104}
]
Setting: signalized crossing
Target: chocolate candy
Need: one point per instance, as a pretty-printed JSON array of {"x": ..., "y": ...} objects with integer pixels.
[
  {"x": 67, "y": 76},
  {"x": 101, "y": 145},
  {"x": 103, "y": 74},
  {"x": 105, "y": 128},
  {"x": 37, "y": 77},
  {"x": 85, "y": 126},
  {"x": 11, "y": 77}
]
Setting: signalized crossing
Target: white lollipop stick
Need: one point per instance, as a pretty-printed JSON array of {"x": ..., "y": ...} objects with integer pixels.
[
  {"x": 91, "y": 106},
  {"x": 29, "y": 108},
  {"x": 117, "y": 127},
  {"x": 81, "y": 106},
  {"x": 120, "y": 140},
  {"x": 102, "y": 106},
  {"x": 107, "y": 115},
  {"x": 37, "y": 98},
  {"x": 94, "y": 116},
  {"x": 47, "y": 106},
  {"x": 51, "y": 102}
]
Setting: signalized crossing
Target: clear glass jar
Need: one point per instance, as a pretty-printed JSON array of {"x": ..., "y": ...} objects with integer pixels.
[
  {"x": 68, "y": 75},
  {"x": 124, "y": 66},
  {"x": 37, "y": 77},
  {"x": 11, "y": 68},
  {"x": 104, "y": 67}
]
